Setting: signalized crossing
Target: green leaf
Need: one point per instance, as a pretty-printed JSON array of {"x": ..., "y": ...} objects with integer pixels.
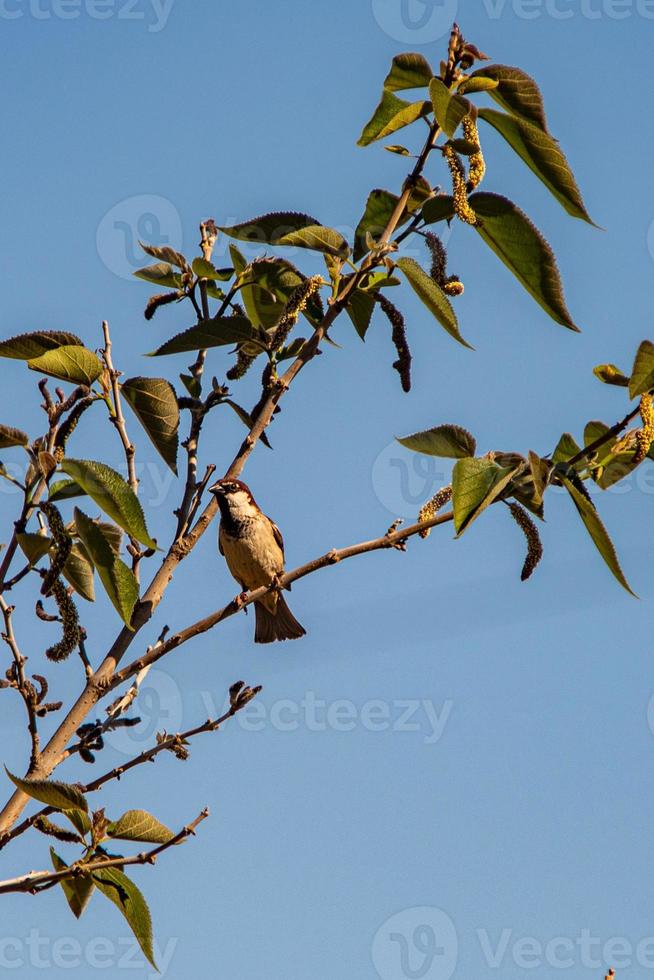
[
  {"x": 140, "y": 825},
  {"x": 360, "y": 307},
  {"x": 27, "y": 346},
  {"x": 78, "y": 572},
  {"x": 64, "y": 490},
  {"x": 319, "y": 239},
  {"x": 220, "y": 331},
  {"x": 379, "y": 208},
  {"x": 161, "y": 274},
  {"x": 401, "y": 151},
  {"x": 267, "y": 285},
  {"x": 110, "y": 492},
  {"x": 449, "y": 109},
  {"x": 476, "y": 483},
  {"x": 439, "y": 208},
  {"x": 433, "y": 297},
  {"x": 611, "y": 375},
  {"x": 390, "y": 115},
  {"x": 642, "y": 374},
  {"x": 408, "y": 70},
  {"x": 118, "y": 580},
  {"x": 269, "y": 228},
  {"x": 514, "y": 90},
  {"x": 61, "y": 796},
  {"x": 598, "y": 533},
  {"x": 478, "y": 84},
  {"x": 77, "y": 889},
  {"x": 34, "y": 546},
  {"x": 12, "y": 437},
  {"x": 154, "y": 402},
  {"x": 68, "y": 363},
  {"x": 120, "y": 890},
  {"x": 166, "y": 254},
  {"x": 191, "y": 384},
  {"x": 80, "y": 820},
  {"x": 542, "y": 154},
  {"x": 449, "y": 441},
  {"x": 207, "y": 270},
  {"x": 517, "y": 242},
  {"x": 540, "y": 473},
  {"x": 246, "y": 419},
  {"x": 566, "y": 448}
]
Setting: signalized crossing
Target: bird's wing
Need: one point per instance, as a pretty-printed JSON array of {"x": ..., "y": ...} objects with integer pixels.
[
  {"x": 220, "y": 544},
  {"x": 278, "y": 535}
]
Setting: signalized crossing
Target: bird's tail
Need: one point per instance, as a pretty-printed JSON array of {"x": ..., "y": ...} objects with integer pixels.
[{"x": 280, "y": 625}]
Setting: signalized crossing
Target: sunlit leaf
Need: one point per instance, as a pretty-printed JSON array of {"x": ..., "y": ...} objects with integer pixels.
[
  {"x": 391, "y": 114},
  {"x": 122, "y": 891},
  {"x": 432, "y": 296},
  {"x": 154, "y": 402},
  {"x": 68, "y": 363},
  {"x": 449, "y": 441}
]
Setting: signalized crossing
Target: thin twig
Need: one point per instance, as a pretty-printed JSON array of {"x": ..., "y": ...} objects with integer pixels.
[
  {"x": 37, "y": 880},
  {"x": 24, "y": 688},
  {"x": 117, "y": 416}
]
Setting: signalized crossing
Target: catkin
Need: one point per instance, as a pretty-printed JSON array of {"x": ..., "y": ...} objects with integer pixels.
[
  {"x": 451, "y": 285},
  {"x": 161, "y": 299},
  {"x": 62, "y": 546},
  {"x": 431, "y": 508},
  {"x": 645, "y": 436},
  {"x": 534, "y": 545},
  {"x": 403, "y": 363},
  {"x": 297, "y": 302},
  {"x": 461, "y": 206},
  {"x": 70, "y": 621},
  {"x": 67, "y": 427},
  {"x": 477, "y": 164}
]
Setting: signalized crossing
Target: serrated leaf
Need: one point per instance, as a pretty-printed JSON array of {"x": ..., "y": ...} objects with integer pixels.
[
  {"x": 191, "y": 384},
  {"x": 166, "y": 254},
  {"x": 220, "y": 331},
  {"x": 609, "y": 374},
  {"x": 80, "y": 820},
  {"x": 517, "y": 242},
  {"x": 390, "y": 115},
  {"x": 542, "y": 154},
  {"x": 141, "y": 826},
  {"x": 61, "y": 796},
  {"x": 120, "y": 890},
  {"x": 246, "y": 419},
  {"x": 598, "y": 533},
  {"x": 113, "y": 494},
  {"x": 154, "y": 402},
  {"x": 161, "y": 274},
  {"x": 117, "y": 579},
  {"x": 642, "y": 374},
  {"x": 269, "y": 228},
  {"x": 566, "y": 448},
  {"x": 68, "y": 363},
  {"x": 319, "y": 239},
  {"x": 433, "y": 297},
  {"x": 78, "y": 572},
  {"x": 449, "y": 441},
  {"x": 439, "y": 208},
  {"x": 34, "y": 546},
  {"x": 449, "y": 109},
  {"x": 64, "y": 490},
  {"x": 9, "y": 436},
  {"x": 476, "y": 483},
  {"x": 27, "y": 346},
  {"x": 207, "y": 270},
  {"x": 408, "y": 70},
  {"x": 360, "y": 307},
  {"x": 77, "y": 889},
  {"x": 514, "y": 90}
]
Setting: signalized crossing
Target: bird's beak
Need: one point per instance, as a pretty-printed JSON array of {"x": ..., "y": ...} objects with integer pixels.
[{"x": 216, "y": 489}]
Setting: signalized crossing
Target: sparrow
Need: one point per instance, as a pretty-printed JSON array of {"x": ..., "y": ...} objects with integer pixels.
[{"x": 253, "y": 548}]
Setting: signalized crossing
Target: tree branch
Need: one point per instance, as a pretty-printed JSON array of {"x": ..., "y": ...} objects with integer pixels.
[
  {"x": 36, "y": 881},
  {"x": 117, "y": 417},
  {"x": 23, "y": 686}
]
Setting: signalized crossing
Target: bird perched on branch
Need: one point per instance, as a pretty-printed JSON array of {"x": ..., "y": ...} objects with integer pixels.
[{"x": 254, "y": 551}]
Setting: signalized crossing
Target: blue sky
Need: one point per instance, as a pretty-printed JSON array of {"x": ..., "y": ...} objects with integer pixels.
[{"x": 451, "y": 775}]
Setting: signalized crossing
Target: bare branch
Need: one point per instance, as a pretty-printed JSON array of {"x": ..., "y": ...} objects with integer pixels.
[
  {"x": 117, "y": 416},
  {"x": 23, "y": 686}
]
